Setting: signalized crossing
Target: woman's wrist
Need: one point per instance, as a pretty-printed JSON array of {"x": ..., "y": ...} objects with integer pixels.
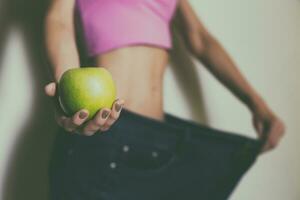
[
  {"x": 57, "y": 74},
  {"x": 254, "y": 102}
]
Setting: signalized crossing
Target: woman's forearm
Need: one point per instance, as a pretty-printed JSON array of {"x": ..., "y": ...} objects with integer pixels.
[
  {"x": 210, "y": 52},
  {"x": 61, "y": 46},
  {"x": 219, "y": 63}
]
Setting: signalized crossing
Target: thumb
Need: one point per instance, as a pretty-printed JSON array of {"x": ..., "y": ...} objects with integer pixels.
[
  {"x": 258, "y": 125},
  {"x": 50, "y": 89}
]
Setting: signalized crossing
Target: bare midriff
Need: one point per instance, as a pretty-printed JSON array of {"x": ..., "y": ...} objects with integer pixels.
[{"x": 138, "y": 73}]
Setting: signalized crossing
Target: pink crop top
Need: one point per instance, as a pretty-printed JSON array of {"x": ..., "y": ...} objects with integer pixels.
[{"x": 111, "y": 24}]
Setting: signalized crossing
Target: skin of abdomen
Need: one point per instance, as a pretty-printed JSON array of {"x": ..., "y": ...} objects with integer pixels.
[{"x": 138, "y": 73}]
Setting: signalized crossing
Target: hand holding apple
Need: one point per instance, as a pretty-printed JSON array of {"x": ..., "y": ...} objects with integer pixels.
[{"x": 87, "y": 96}]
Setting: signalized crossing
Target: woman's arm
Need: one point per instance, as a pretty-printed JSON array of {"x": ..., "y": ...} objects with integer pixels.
[
  {"x": 210, "y": 52},
  {"x": 63, "y": 54},
  {"x": 60, "y": 37}
]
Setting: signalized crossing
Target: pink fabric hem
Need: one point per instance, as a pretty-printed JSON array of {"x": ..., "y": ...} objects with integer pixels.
[{"x": 107, "y": 49}]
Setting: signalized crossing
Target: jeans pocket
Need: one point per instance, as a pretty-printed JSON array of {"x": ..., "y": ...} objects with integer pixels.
[{"x": 142, "y": 159}]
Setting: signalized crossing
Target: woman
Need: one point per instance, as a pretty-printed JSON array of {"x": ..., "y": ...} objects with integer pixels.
[{"x": 131, "y": 39}]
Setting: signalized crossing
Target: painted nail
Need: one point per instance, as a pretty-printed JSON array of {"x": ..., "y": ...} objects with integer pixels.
[
  {"x": 82, "y": 115},
  {"x": 118, "y": 107},
  {"x": 105, "y": 114}
]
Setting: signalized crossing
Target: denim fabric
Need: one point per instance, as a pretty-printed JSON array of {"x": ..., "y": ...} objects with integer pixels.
[{"x": 141, "y": 158}]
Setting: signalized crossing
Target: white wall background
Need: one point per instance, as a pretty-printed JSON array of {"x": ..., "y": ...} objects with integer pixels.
[{"x": 262, "y": 37}]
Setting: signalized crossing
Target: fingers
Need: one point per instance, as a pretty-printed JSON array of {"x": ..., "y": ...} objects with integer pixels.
[
  {"x": 50, "y": 89},
  {"x": 72, "y": 123},
  {"x": 115, "y": 112},
  {"x": 274, "y": 134},
  {"x": 97, "y": 122},
  {"x": 258, "y": 127},
  {"x": 104, "y": 119}
]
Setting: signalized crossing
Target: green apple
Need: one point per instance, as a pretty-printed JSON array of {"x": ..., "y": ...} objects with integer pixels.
[{"x": 90, "y": 88}]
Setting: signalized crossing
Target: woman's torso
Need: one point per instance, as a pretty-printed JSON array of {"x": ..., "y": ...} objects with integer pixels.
[
  {"x": 131, "y": 39},
  {"x": 138, "y": 72}
]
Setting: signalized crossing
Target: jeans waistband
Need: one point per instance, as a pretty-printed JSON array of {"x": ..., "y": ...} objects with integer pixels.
[
  {"x": 171, "y": 130},
  {"x": 137, "y": 127},
  {"x": 141, "y": 121},
  {"x": 132, "y": 126}
]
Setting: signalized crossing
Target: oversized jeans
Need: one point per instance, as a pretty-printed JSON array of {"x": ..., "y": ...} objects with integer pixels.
[{"x": 141, "y": 158}]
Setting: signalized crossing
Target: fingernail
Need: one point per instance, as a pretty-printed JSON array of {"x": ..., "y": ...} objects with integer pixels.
[
  {"x": 82, "y": 115},
  {"x": 105, "y": 114},
  {"x": 118, "y": 107}
]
